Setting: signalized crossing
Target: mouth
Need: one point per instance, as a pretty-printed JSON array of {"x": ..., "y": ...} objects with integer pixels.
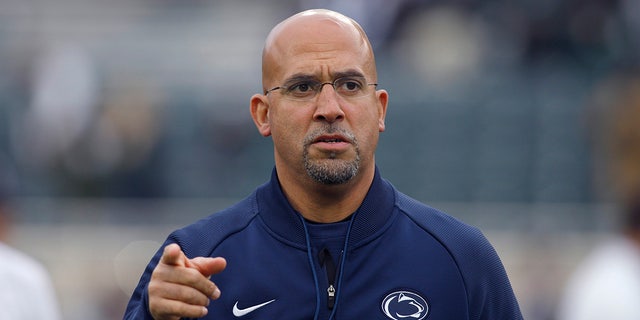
[
  {"x": 331, "y": 139},
  {"x": 331, "y": 144}
]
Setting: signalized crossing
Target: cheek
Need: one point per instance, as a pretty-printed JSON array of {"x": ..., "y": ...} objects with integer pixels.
[
  {"x": 287, "y": 129},
  {"x": 368, "y": 131},
  {"x": 369, "y": 139}
]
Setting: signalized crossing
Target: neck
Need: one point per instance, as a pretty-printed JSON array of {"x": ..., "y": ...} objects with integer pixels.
[{"x": 326, "y": 203}]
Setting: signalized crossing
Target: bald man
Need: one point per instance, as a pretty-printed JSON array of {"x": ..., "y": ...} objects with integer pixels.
[{"x": 326, "y": 237}]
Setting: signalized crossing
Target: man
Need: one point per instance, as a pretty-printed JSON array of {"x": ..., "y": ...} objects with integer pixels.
[{"x": 326, "y": 237}]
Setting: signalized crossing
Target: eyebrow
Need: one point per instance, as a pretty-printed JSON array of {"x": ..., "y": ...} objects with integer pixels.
[
  {"x": 299, "y": 77},
  {"x": 348, "y": 73},
  {"x": 302, "y": 77}
]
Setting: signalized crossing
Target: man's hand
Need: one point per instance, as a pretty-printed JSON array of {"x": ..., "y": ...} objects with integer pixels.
[{"x": 180, "y": 287}]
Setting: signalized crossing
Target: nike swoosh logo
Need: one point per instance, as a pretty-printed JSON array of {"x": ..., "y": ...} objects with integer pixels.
[{"x": 242, "y": 312}]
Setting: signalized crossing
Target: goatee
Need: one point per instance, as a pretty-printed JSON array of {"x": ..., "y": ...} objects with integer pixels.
[{"x": 331, "y": 170}]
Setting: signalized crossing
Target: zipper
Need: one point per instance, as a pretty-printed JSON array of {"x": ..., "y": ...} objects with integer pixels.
[
  {"x": 331, "y": 292},
  {"x": 326, "y": 261}
]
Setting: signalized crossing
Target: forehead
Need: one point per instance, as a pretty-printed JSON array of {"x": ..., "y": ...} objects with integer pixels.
[{"x": 318, "y": 46}]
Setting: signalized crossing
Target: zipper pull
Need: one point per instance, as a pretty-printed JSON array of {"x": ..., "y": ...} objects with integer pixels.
[
  {"x": 331, "y": 291},
  {"x": 330, "y": 268}
]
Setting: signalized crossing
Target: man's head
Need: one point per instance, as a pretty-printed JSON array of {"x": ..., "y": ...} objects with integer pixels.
[{"x": 323, "y": 126}]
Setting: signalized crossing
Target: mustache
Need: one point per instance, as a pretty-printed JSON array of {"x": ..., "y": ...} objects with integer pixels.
[{"x": 328, "y": 129}]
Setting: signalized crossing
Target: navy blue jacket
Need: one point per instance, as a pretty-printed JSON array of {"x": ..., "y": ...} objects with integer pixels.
[{"x": 400, "y": 259}]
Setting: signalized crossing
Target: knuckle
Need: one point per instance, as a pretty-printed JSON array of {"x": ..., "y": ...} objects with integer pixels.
[
  {"x": 156, "y": 288},
  {"x": 192, "y": 277},
  {"x": 195, "y": 297},
  {"x": 169, "y": 309},
  {"x": 158, "y": 309},
  {"x": 160, "y": 272}
]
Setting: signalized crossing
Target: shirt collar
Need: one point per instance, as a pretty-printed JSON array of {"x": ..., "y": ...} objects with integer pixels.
[{"x": 372, "y": 215}]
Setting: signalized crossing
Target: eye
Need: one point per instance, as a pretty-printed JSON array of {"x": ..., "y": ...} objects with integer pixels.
[
  {"x": 349, "y": 86},
  {"x": 301, "y": 89}
]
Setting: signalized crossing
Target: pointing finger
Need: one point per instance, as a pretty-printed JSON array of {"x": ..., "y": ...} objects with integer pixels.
[
  {"x": 208, "y": 266},
  {"x": 173, "y": 255}
]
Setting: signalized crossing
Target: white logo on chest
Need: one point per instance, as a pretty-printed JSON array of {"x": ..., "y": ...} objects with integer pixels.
[
  {"x": 404, "y": 305},
  {"x": 242, "y": 312}
]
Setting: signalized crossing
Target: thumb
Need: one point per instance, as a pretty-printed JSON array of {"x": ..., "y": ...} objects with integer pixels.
[
  {"x": 208, "y": 266},
  {"x": 173, "y": 255}
]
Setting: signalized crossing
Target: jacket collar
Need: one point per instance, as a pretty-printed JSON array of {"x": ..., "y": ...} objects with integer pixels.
[{"x": 277, "y": 213}]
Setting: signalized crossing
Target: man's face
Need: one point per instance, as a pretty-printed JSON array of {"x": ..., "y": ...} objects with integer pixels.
[{"x": 331, "y": 136}]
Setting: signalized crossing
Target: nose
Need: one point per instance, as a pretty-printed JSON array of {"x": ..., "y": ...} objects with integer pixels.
[{"x": 328, "y": 105}]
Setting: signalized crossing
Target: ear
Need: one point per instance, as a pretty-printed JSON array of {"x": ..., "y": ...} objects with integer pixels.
[
  {"x": 382, "y": 98},
  {"x": 259, "y": 105}
]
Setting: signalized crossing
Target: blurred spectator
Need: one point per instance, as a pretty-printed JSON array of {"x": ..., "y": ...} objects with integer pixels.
[
  {"x": 378, "y": 17},
  {"x": 443, "y": 44},
  {"x": 62, "y": 105},
  {"x": 26, "y": 290},
  {"x": 607, "y": 284},
  {"x": 614, "y": 120}
]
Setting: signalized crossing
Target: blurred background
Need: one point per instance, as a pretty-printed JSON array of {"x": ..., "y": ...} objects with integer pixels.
[{"x": 122, "y": 120}]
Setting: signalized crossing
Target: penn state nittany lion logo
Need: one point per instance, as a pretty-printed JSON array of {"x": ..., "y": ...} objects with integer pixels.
[{"x": 405, "y": 305}]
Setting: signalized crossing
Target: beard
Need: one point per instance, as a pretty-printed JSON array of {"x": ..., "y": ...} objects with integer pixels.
[{"x": 331, "y": 170}]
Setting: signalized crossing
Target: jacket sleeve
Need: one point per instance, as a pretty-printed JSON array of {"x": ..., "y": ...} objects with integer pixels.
[
  {"x": 491, "y": 296},
  {"x": 138, "y": 307},
  {"x": 196, "y": 240}
]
